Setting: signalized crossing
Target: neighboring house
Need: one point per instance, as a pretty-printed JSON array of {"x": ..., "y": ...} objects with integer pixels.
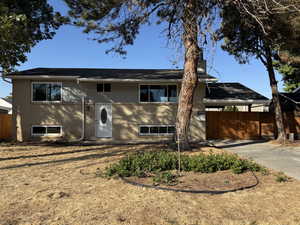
[
  {"x": 5, "y": 106},
  {"x": 109, "y": 105},
  {"x": 290, "y": 101},
  {"x": 221, "y": 95}
]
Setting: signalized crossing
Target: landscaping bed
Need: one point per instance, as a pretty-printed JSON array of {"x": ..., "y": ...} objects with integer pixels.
[
  {"x": 202, "y": 172},
  {"x": 63, "y": 185}
]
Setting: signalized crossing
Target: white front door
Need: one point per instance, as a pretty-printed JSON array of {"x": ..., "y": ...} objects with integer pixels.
[{"x": 103, "y": 120}]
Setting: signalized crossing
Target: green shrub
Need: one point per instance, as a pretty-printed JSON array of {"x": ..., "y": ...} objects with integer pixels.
[
  {"x": 264, "y": 171},
  {"x": 142, "y": 163},
  {"x": 281, "y": 177},
  {"x": 165, "y": 178}
]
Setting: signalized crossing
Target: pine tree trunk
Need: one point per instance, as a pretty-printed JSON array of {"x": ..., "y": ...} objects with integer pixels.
[
  {"x": 281, "y": 135},
  {"x": 190, "y": 77}
]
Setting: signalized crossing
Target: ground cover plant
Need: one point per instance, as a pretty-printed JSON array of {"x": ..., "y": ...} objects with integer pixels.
[{"x": 158, "y": 163}]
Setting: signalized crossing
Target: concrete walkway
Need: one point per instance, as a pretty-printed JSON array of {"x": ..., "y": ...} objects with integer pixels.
[{"x": 285, "y": 159}]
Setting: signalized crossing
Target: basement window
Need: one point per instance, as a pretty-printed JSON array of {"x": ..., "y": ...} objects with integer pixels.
[
  {"x": 156, "y": 130},
  {"x": 46, "y": 130},
  {"x": 103, "y": 87}
]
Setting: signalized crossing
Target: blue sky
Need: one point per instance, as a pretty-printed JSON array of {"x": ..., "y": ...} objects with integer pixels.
[{"x": 71, "y": 48}]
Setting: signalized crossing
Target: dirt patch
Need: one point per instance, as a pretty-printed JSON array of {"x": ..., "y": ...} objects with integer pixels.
[
  {"x": 60, "y": 185},
  {"x": 190, "y": 181}
]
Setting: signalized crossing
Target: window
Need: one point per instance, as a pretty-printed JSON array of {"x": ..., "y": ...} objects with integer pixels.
[
  {"x": 46, "y": 130},
  {"x": 157, "y": 130},
  {"x": 46, "y": 92},
  {"x": 103, "y": 87},
  {"x": 158, "y": 93},
  {"x": 103, "y": 116}
]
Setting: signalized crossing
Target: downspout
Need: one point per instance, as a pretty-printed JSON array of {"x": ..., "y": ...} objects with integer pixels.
[
  {"x": 82, "y": 115},
  {"x": 82, "y": 119}
]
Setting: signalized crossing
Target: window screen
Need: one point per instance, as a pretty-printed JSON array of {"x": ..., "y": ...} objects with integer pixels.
[{"x": 53, "y": 130}]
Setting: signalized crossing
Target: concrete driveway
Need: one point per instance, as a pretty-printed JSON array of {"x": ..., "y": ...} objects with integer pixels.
[{"x": 285, "y": 159}]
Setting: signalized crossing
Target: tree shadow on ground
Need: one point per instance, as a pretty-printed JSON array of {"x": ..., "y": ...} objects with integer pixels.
[
  {"x": 53, "y": 153},
  {"x": 111, "y": 151}
]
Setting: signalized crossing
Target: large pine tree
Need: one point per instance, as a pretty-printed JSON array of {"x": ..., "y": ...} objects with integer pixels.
[{"x": 119, "y": 22}]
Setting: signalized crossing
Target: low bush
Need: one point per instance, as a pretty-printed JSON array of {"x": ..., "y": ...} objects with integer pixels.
[
  {"x": 281, "y": 177},
  {"x": 143, "y": 163},
  {"x": 165, "y": 178}
]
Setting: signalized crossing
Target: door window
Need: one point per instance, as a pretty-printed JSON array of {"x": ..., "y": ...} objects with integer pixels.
[{"x": 103, "y": 116}]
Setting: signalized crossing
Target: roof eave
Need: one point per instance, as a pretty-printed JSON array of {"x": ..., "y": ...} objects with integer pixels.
[
  {"x": 292, "y": 100},
  {"x": 77, "y": 78},
  {"x": 20, "y": 77},
  {"x": 141, "y": 80},
  {"x": 5, "y": 108}
]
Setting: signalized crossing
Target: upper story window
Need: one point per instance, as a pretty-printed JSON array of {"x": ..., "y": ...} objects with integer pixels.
[
  {"x": 46, "y": 92},
  {"x": 158, "y": 93},
  {"x": 103, "y": 87}
]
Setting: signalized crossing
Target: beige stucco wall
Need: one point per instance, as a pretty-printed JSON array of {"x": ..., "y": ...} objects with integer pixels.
[{"x": 127, "y": 112}]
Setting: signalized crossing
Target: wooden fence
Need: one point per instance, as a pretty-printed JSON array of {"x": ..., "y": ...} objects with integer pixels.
[
  {"x": 247, "y": 125},
  {"x": 5, "y": 127}
]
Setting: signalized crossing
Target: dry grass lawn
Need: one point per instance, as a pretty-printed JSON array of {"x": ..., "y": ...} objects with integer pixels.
[{"x": 59, "y": 185}]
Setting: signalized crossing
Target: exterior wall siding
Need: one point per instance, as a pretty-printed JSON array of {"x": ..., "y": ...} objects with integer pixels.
[{"x": 127, "y": 112}]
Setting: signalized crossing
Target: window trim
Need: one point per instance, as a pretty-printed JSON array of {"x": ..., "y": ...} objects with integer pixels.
[
  {"x": 47, "y": 134},
  {"x": 166, "y": 84},
  {"x": 158, "y": 134},
  {"x": 45, "y": 82}
]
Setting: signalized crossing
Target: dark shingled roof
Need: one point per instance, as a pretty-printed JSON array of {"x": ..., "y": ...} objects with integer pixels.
[
  {"x": 290, "y": 101},
  {"x": 231, "y": 91},
  {"x": 142, "y": 74},
  {"x": 293, "y": 97}
]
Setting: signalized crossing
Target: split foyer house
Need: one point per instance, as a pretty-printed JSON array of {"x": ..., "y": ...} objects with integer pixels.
[{"x": 109, "y": 105}]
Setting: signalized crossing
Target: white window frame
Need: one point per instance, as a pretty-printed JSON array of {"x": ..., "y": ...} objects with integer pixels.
[
  {"x": 42, "y": 82},
  {"x": 46, "y": 134},
  {"x": 167, "y": 84},
  {"x": 158, "y": 134}
]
